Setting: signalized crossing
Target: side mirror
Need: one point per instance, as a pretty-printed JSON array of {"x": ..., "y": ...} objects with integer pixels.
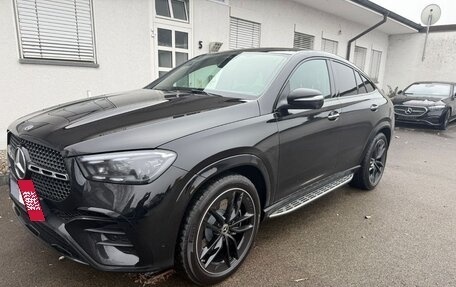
[
  {"x": 305, "y": 99},
  {"x": 400, "y": 92}
]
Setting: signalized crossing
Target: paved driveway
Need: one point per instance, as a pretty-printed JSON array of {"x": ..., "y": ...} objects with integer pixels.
[{"x": 409, "y": 240}]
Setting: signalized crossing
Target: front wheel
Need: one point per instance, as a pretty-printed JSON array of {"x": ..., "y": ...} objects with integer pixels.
[
  {"x": 445, "y": 121},
  {"x": 371, "y": 171},
  {"x": 219, "y": 230}
]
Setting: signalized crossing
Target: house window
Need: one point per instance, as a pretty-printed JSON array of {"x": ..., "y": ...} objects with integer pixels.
[
  {"x": 172, "y": 48},
  {"x": 375, "y": 65},
  {"x": 360, "y": 57},
  {"x": 176, "y": 9},
  {"x": 59, "y": 32},
  {"x": 303, "y": 41},
  {"x": 244, "y": 34},
  {"x": 329, "y": 46}
]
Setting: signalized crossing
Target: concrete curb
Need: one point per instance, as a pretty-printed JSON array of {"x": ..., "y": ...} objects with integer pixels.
[{"x": 3, "y": 179}]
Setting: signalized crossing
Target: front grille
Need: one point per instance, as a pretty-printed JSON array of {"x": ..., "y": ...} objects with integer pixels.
[
  {"x": 47, "y": 187},
  {"x": 51, "y": 188},
  {"x": 409, "y": 111},
  {"x": 40, "y": 155}
]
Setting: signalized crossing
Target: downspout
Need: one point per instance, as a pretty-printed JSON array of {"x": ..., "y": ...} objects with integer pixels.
[{"x": 385, "y": 18}]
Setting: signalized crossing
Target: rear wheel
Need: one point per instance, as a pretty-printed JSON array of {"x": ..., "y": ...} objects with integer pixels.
[
  {"x": 445, "y": 120},
  {"x": 219, "y": 230},
  {"x": 371, "y": 171}
]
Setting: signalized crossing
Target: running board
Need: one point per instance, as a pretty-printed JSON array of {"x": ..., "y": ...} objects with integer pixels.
[{"x": 311, "y": 196}]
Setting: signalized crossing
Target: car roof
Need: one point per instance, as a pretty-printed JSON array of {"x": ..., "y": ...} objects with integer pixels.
[
  {"x": 289, "y": 51},
  {"x": 435, "y": 82}
]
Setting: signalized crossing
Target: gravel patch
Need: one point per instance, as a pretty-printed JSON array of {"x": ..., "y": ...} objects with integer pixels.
[
  {"x": 3, "y": 168},
  {"x": 3, "y": 165}
]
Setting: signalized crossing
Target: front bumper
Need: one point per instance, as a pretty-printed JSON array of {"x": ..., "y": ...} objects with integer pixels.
[
  {"x": 430, "y": 118},
  {"x": 112, "y": 227}
]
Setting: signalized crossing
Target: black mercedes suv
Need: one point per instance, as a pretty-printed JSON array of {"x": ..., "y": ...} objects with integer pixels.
[{"x": 179, "y": 174}]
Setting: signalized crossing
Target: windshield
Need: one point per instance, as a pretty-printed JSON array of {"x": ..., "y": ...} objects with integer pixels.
[
  {"x": 244, "y": 74},
  {"x": 429, "y": 90}
]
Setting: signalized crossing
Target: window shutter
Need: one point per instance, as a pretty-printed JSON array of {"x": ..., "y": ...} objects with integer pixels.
[
  {"x": 360, "y": 57},
  {"x": 329, "y": 46},
  {"x": 375, "y": 65},
  {"x": 303, "y": 41},
  {"x": 56, "y": 30},
  {"x": 244, "y": 34}
]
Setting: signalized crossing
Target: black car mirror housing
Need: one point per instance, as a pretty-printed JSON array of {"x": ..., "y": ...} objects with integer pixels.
[{"x": 305, "y": 99}]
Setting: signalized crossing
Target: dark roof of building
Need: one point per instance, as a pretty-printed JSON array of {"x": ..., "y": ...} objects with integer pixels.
[
  {"x": 441, "y": 28},
  {"x": 382, "y": 10}
]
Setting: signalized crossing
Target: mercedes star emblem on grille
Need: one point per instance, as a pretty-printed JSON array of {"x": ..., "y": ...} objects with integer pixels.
[
  {"x": 20, "y": 164},
  {"x": 408, "y": 111}
]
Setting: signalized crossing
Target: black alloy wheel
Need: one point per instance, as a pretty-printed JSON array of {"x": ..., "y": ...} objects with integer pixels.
[
  {"x": 220, "y": 230},
  {"x": 373, "y": 165},
  {"x": 445, "y": 120},
  {"x": 225, "y": 231},
  {"x": 377, "y": 161}
]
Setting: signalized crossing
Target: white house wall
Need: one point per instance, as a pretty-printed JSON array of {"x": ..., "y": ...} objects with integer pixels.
[
  {"x": 278, "y": 20},
  {"x": 404, "y": 63},
  {"x": 124, "y": 55}
]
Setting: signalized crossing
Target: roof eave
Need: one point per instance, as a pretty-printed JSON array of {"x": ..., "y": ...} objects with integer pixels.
[{"x": 394, "y": 16}]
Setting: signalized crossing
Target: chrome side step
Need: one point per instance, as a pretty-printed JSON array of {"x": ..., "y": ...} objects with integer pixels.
[{"x": 311, "y": 196}]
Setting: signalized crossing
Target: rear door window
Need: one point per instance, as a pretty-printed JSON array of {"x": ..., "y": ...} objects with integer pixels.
[
  {"x": 345, "y": 80},
  {"x": 369, "y": 86},
  {"x": 361, "y": 88}
]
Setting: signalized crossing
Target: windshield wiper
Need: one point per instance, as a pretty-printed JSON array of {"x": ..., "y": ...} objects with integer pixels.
[{"x": 193, "y": 91}]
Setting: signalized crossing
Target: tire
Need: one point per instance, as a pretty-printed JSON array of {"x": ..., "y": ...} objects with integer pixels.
[
  {"x": 445, "y": 120},
  {"x": 372, "y": 167},
  {"x": 226, "y": 212}
]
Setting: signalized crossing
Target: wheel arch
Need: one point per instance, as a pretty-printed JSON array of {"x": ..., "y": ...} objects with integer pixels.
[
  {"x": 383, "y": 127},
  {"x": 248, "y": 165}
]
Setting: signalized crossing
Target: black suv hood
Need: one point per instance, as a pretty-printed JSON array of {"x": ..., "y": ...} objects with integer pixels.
[
  {"x": 138, "y": 119},
  {"x": 418, "y": 101}
]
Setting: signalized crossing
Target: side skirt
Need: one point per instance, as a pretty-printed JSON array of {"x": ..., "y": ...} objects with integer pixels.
[{"x": 308, "y": 194}]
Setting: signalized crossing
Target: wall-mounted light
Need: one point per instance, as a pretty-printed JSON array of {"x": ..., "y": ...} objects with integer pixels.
[{"x": 215, "y": 46}]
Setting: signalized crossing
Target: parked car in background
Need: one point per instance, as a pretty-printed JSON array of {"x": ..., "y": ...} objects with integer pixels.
[
  {"x": 430, "y": 103},
  {"x": 180, "y": 173}
]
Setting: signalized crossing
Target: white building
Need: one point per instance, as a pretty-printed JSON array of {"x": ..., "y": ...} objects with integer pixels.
[{"x": 57, "y": 51}]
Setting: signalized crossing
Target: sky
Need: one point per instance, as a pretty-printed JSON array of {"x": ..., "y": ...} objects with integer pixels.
[{"x": 411, "y": 9}]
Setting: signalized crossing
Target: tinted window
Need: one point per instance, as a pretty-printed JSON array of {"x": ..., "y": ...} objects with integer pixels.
[
  {"x": 369, "y": 86},
  {"x": 428, "y": 90},
  {"x": 312, "y": 75},
  {"x": 345, "y": 80},
  {"x": 361, "y": 87}
]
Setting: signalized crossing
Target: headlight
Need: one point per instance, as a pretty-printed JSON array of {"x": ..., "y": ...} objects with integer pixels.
[
  {"x": 135, "y": 167},
  {"x": 436, "y": 108}
]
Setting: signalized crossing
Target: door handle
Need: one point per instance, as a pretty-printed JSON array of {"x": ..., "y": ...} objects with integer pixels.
[
  {"x": 374, "y": 107},
  {"x": 334, "y": 115}
]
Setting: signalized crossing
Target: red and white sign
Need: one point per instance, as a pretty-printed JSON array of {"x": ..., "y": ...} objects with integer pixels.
[{"x": 31, "y": 200}]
